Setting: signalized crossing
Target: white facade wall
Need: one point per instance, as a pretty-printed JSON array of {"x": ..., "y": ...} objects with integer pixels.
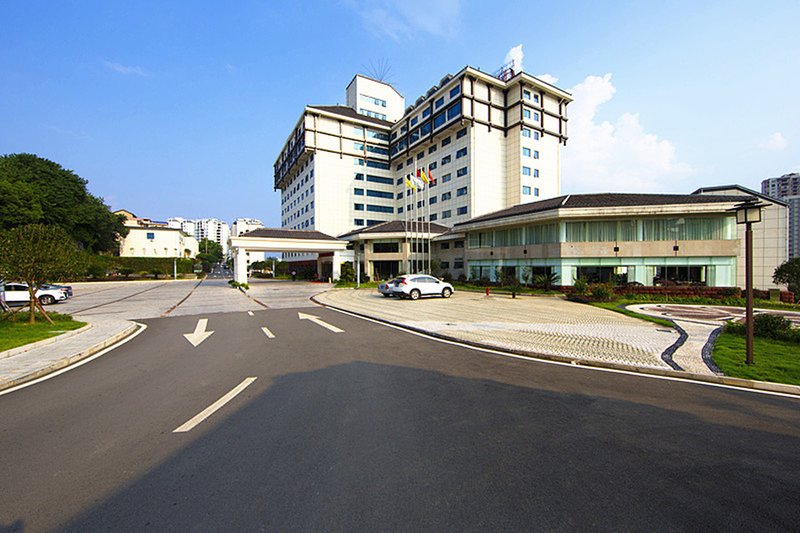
[
  {"x": 244, "y": 225},
  {"x": 374, "y": 98},
  {"x": 157, "y": 242}
]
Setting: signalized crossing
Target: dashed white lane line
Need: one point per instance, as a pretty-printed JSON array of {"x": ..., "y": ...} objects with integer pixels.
[
  {"x": 268, "y": 333},
  {"x": 250, "y": 313},
  {"x": 214, "y": 407}
]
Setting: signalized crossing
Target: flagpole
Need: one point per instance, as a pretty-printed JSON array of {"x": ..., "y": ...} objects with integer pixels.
[{"x": 428, "y": 219}]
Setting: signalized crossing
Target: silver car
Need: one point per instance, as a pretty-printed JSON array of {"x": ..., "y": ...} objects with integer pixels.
[
  {"x": 387, "y": 288},
  {"x": 416, "y": 285}
]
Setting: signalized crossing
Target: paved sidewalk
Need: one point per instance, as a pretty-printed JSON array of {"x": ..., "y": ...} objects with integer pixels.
[
  {"x": 535, "y": 325},
  {"x": 35, "y": 360}
]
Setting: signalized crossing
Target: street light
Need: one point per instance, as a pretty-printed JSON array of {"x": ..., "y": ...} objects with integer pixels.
[{"x": 748, "y": 213}]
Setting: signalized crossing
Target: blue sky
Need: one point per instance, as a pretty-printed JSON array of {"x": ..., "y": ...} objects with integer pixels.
[{"x": 180, "y": 108}]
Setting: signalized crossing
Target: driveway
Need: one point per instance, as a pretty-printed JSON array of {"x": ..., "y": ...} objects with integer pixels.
[{"x": 542, "y": 325}]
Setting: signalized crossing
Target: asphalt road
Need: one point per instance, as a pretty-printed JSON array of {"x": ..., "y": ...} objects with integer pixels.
[{"x": 374, "y": 428}]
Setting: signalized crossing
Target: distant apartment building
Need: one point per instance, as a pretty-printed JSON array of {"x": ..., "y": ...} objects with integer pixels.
[
  {"x": 489, "y": 143},
  {"x": 241, "y": 226},
  {"x": 152, "y": 238},
  {"x": 787, "y": 188},
  {"x": 204, "y": 228}
]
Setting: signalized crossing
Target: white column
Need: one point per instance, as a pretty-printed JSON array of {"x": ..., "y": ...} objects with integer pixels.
[
  {"x": 337, "y": 265},
  {"x": 567, "y": 274},
  {"x": 240, "y": 265}
]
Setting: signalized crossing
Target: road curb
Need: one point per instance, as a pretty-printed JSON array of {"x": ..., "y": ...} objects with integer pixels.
[
  {"x": 69, "y": 360},
  {"x": 741, "y": 383},
  {"x": 44, "y": 342}
]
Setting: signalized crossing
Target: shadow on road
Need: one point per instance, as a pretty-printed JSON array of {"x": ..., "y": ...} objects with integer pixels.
[{"x": 363, "y": 446}]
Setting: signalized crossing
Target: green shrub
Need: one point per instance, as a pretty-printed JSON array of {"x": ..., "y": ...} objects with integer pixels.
[
  {"x": 767, "y": 325},
  {"x": 580, "y": 286},
  {"x": 601, "y": 292}
]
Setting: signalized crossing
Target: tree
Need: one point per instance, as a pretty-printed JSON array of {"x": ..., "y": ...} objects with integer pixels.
[
  {"x": 38, "y": 254},
  {"x": 789, "y": 274},
  {"x": 210, "y": 253},
  {"x": 35, "y": 190}
]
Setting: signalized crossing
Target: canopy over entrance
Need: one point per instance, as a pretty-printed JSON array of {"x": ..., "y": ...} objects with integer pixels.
[{"x": 285, "y": 240}]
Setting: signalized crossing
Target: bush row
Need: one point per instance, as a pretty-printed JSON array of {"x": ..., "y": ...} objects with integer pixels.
[{"x": 767, "y": 325}]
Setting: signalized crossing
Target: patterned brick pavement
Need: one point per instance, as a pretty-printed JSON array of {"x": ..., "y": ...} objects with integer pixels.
[{"x": 536, "y": 325}]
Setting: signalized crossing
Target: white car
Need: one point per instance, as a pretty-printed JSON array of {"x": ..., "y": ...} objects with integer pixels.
[
  {"x": 17, "y": 294},
  {"x": 415, "y": 285}
]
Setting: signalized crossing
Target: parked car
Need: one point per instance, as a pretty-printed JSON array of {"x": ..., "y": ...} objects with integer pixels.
[
  {"x": 17, "y": 294},
  {"x": 67, "y": 289},
  {"x": 416, "y": 285},
  {"x": 387, "y": 288}
]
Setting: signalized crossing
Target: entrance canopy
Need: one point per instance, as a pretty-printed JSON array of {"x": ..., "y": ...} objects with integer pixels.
[{"x": 283, "y": 240}]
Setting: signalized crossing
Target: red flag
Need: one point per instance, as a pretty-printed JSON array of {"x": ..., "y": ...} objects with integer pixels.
[{"x": 430, "y": 177}]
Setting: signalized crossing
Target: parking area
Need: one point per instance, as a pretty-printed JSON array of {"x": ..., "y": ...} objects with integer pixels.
[{"x": 544, "y": 325}]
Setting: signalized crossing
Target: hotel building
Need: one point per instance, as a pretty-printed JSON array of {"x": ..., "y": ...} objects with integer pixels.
[
  {"x": 488, "y": 142},
  {"x": 787, "y": 188}
]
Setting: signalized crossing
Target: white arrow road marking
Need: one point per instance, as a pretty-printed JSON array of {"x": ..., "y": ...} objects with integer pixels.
[
  {"x": 200, "y": 334},
  {"x": 268, "y": 333},
  {"x": 317, "y": 321},
  {"x": 214, "y": 407},
  {"x": 250, "y": 313}
]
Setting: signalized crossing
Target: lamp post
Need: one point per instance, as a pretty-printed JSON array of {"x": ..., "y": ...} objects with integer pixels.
[{"x": 748, "y": 213}]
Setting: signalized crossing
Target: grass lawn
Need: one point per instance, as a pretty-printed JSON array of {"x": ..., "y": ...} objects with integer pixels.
[
  {"x": 776, "y": 361},
  {"x": 15, "y": 331},
  {"x": 616, "y": 307}
]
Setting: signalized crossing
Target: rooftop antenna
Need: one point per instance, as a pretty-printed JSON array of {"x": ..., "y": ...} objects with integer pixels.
[{"x": 379, "y": 69}]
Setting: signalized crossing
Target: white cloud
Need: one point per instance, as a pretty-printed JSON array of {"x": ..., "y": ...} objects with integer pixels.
[
  {"x": 619, "y": 156},
  {"x": 547, "y": 78},
  {"x": 517, "y": 56},
  {"x": 403, "y": 20},
  {"x": 128, "y": 71},
  {"x": 774, "y": 143}
]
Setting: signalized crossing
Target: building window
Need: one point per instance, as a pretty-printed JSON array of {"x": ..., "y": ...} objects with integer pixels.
[
  {"x": 461, "y": 153},
  {"x": 535, "y": 135},
  {"x": 526, "y": 152},
  {"x": 526, "y": 113},
  {"x": 358, "y": 192},
  {"x": 432, "y": 149},
  {"x": 526, "y": 171},
  {"x": 536, "y": 154},
  {"x": 433, "y": 217},
  {"x": 360, "y": 176},
  {"x": 536, "y": 98},
  {"x": 399, "y": 210},
  {"x": 371, "y": 100},
  {"x": 536, "y": 191},
  {"x": 399, "y": 195},
  {"x": 461, "y": 172},
  {"x": 462, "y": 191},
  {"x": 380, "y": 208},
  {"x": 526, "y": 94},
  {"x": 454, "y": 110},
  {"x": 413, "y": 122},
  {"x": 461, "y": 133},
  {"x": 446, "y": 159},
  {"x": 399, "y": 181},
  {"x": 439, "y": 103},
  {"x": 378, "y": 164},
  {"x": 380, "y": 194},
  {"x": 433, "y": 165},
  {"x": 458, "y": 263},
  {"x": 446, "y": 214},
  {"x": 536, "y": 117},
  {"x": 458, "y": 244},
  {"x": 446, "y": 196},
  {"x": 455, "y": 90},
  {"x": 535, "y": 172},
  {"x": 432, "y": 200},
  {"x": 439, "y": 119},
  {"x": 525, "y": 133},
  {"x": 444, "y": 264},
  {"x": 420, "y": 155},
  {"x": 358, "y": 207},
  {"x": 358, "y": 221},
  {"x": 426, "y": 112},
  {"x": 526, "y": 190},
  {"x": 398, "y": 166},
  {"x": 151, "y": 236},
  {"x": 444, "y": 246},
  {"x": 380, "y": 179},
  {"x": 462, "y": 210},
  {"x": 445, "y": 141},
  {"x": 446, "y": 178}
]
